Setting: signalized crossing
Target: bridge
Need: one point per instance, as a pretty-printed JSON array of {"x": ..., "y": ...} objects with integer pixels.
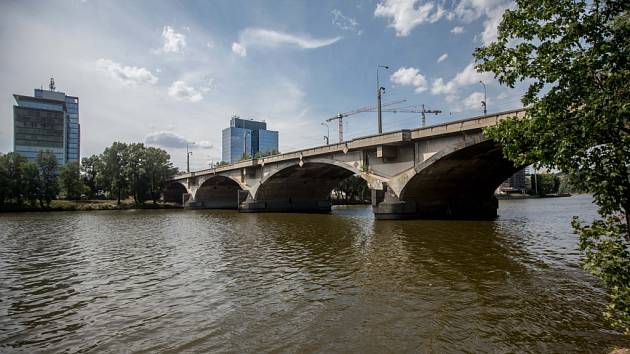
[{"x": 449, "y": 170}]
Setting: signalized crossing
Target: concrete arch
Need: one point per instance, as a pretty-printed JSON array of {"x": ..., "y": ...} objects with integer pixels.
[
  {"x": 174, "y": 192},
  {"x": 459, "y": 181},
  {"x": 218, "y": 192},
  {"x": 301, "y": 188}
]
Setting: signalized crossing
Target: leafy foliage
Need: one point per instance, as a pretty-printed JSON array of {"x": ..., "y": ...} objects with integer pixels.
[
  {"x": 48, "y": 184},
  {"x": 575, "y": 56},
  {"x": 70, "y": 178}
]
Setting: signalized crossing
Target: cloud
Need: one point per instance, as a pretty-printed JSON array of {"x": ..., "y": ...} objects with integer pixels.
[
  {"x": 473, "y": 100},
  {"x": 182, "y": 92},
  {"x": 471, "y": 10},
  {"x": 345, "y": 23},
  {"x": 204, "y": 145},
  {"x": 405, "y": 15},
  {"x": 442, "y": 57},
  {"x": 259, "y": 37},
  {"x": 468, "y": 76},
  {"x": 410, "y": 77},
  {"x": 166, "y": 139},
  {"x": 173, "y": 42},
  {"x": 239, "y": 49},
  {"x": 128, "y": 75},
  {"x": 457, "y": 30}
]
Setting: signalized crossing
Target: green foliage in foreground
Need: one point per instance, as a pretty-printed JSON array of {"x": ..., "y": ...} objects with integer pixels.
[{"x": 575, "y": 56}]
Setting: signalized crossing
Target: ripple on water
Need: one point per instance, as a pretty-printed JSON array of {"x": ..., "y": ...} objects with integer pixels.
[{"x": 220, "y": 281}]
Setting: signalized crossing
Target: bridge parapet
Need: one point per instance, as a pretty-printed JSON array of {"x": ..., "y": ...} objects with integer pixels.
[{"x": 418, "y": 172}]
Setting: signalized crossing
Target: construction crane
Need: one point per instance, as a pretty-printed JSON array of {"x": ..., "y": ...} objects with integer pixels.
[
  {"x": 413, "y": 109},
  {"x": 341, "y": 116}
]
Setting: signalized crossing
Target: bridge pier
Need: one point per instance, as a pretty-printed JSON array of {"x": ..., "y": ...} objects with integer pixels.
[
  {"x": 286, "y": 206},
  {"x": 387, "y": 206}
]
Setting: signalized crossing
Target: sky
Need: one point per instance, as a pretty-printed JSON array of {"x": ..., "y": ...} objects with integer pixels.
[{"x": 169, "y": 72}]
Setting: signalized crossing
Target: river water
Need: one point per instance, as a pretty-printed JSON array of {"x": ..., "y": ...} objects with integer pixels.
[{"x": 219, "y": 281}]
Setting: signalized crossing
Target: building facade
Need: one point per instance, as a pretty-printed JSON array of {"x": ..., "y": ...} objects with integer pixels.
[
  {"x": 49, "y": 120},
  {"x": 246, "y": 138}
]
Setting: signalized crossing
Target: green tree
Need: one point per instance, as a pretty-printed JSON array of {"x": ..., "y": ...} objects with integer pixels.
[
  {"x": 30, "y": 182},
  {"x": 4, "y": 180},
  {"x": 13, "y": 164},
  {"x": 90, "y": 167},
  {"x": 159, "y": 170},
  {"x": 47, "y": 171},
  {"x": 112, "y": 176},
  {"x": 575, "y": 57},
  {"x": 135, "y": 172},
  {"x": 70, "y": 178},
  {"x": 353, "y": 188}
]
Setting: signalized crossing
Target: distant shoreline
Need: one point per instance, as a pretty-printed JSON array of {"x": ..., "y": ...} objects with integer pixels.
[{"x": 86, "y": 205}]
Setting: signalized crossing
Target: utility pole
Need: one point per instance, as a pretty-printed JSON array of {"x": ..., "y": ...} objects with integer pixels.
[
  {"x": 484, "y": 103},
  {"x": 327, "y": 137},
  {"x": 188, "y": 153},
  {"x": 425, "y": 111},
  {"x": 379, "y": 91}
]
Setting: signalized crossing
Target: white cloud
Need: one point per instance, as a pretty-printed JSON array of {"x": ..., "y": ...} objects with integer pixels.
[
  {"x": 405, "y": 15},
  {"x": 468, "y": 76},
  {"x": 128, "y": 75},
  {"x": 345, "y": 23},
  {"x": 173, "y": 42},
  {"x": 239, "y": 49},
  {"x": 205, "y": 144},
  {"x": 473, "y": 100},
  {"x": 442, "y": 57},
  {"x": 182, "y": 92},
  {"x": 165, "y": 139},
  {"x": 491, "y": 24},
  {"x": 457, "y": 30},
  {"x": 259, "y": 37},
  {"x": 410, "y": 77},
  {"x": 471, "y": 10}
]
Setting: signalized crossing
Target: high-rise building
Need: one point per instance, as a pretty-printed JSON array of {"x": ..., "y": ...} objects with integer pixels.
[
  {"x": 246, "y": 138},
  {"x": 47, "y": 121}
]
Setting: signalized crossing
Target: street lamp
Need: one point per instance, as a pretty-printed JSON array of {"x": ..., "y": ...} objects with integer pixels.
[
  {"x": 188, "y": 153},
  {"x": 379, "y": 90},
  {"x": 484, "y": 103},
  {"x": 327, "y": 132}
]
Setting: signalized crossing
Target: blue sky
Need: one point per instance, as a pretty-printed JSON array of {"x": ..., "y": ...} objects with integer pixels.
[{"x": 166, "y": 72}]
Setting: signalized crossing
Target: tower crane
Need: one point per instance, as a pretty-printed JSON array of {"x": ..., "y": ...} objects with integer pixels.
[
  {"x": 340, "y": 116},
  {"x": 419, "y": 109}
]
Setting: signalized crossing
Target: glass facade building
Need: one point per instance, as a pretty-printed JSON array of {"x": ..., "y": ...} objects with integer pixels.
[
  {"x": 47, "y": 121},
  {"x": 247, "y": 137}
]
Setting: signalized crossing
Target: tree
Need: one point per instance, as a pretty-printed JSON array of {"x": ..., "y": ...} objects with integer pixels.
[
  {"x": 135, "y": 172},
  {"x": 159, "y": 170},
  {"x": 575, "y": 56},
  {"x": 4, "y": 180},
  {"x": 70, "y": 178},
  {"x": 351, "y": 189},
  {"x": 114, "y": 162},
  {"x": 30, "y": 182},
  {"x": 48, "y": 185},
  {"x": 13, "y": 163},
  {"x": 89, "y": 171}
]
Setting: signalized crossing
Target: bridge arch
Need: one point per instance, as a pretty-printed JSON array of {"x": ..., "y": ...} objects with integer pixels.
[
  {"x": 218, "y": 192},
  {"x": 459, "y": 181},
  {"x": 174, "y": 192},
  {"x": 301, "y": 188}
]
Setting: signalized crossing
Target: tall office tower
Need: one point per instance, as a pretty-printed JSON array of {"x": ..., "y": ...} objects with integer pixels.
[
  {"x": 47, "y": 121},
  {"x": 247, "y": 137}
]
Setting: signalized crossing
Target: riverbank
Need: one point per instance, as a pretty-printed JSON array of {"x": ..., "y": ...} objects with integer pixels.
[
  {"x": 86, "y": 205},
  {"x": 529, "y": 196}
]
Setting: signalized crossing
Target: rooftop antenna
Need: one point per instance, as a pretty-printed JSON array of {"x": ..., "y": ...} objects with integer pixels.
[{"x": 52, "y": 84}]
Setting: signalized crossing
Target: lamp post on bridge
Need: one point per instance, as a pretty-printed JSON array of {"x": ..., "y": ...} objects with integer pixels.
[
  {"x": 484, "y": 103},
  {"x": 327, "y": 137},
  {"x": 188, "y": 153},
  {"x": 379, "y": 90}
]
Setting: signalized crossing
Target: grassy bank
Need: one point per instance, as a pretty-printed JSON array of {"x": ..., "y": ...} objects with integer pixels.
[{"x": 84, "y": 205}]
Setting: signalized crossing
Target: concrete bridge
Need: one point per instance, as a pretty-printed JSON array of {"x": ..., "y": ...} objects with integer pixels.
[{"x": 449, "y": 170}]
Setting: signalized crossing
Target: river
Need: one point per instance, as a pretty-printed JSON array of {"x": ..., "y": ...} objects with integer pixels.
[{"x": 219, "y": 281}]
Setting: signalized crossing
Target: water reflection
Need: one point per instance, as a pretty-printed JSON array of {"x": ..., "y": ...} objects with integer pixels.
[{"x": 220, "y": 281}]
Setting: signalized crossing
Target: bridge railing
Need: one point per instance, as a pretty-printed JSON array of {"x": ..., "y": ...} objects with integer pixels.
[{"x": 473, "y": 123}]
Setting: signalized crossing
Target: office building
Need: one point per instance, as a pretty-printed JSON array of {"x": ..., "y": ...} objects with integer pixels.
[
  {"x": 247, "y": 138},
  {"x": 49, "y": 120}
]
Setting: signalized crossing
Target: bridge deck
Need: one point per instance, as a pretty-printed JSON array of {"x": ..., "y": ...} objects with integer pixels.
[{"x": 388, "y": 138}]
